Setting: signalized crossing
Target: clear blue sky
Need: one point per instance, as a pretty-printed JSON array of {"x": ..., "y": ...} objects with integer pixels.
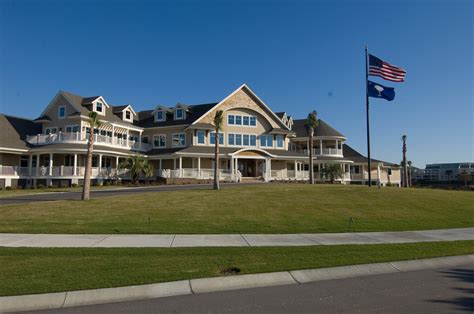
[{"x": 296, "y": 55}]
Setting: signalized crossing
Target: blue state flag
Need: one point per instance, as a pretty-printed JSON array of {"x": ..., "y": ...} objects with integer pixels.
[{"x": 377, "y": 90}]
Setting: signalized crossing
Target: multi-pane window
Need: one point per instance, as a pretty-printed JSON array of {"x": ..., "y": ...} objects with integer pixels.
[
  {"x": 72, "y": 128},
  {"x": 201, "y": 137},
  {"x": 159, "y": 141},
  {"x": 238, "y": 139},
  {"x": 266, "y": 140},
  {"x": 253, "y": 140},
  {"x": 234, "y": 139},
  {"x": 51, "y": 130},
  {"x": 160, "y": 116},
  {"x": 280, "y": 141},
  {"x": 244, "y": 120},
  {"x": 99, "y": 107},
  {"x": 61, "y": 112},
  {"x": 231, "y": 139},
  {"x": 145, "y": 139},
  {"x": 253, "y": 121},
  {"x": 179, "y": 114},
  {"x": 179, "y": 140},
  {"x": 238, "y": 120},
  {"x": 128, "y": 115},
  {"x": 212, "y": 138}
]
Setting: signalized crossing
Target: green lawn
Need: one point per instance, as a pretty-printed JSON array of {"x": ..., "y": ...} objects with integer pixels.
[
  {"x": 21, "y": 192},
  {"x": 34, "y": 270},
  {"x": 265, "y": 208}
]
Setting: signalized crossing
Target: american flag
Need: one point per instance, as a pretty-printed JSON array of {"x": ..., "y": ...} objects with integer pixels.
[{"x": 385, "y": 70}]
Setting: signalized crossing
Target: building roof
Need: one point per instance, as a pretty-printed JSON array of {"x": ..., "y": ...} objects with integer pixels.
[
  {"x": 280, "y": 114},
  {"x": 193, "y": 112},
  {"x": 300, "y": 127},
  {"x": 351, "y": 154},
  {"x": 82, "y": 102},
  {"x": 209, "y": 150},
  {"x": 15, "y": 130}
]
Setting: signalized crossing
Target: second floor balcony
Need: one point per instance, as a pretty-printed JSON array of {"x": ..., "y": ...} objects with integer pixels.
[
  {"x": 325, "y": 151},
  {"x": 83, "y": 137}
]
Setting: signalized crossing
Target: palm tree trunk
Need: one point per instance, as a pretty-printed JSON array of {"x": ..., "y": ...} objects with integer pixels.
[
  {"x": 311, "y": 173},
  {"x": 86, "y": 190},
  {"x": 216, "y": 159}
]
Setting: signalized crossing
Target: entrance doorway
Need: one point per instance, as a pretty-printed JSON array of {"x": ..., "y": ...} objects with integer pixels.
[{"x": 250, "y": 167}]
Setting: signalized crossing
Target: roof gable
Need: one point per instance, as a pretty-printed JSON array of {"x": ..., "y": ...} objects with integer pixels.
[{"x": 252, "y": 95}]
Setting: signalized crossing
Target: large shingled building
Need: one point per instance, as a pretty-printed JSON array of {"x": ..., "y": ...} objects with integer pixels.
[{"x": 179, "y": 141}]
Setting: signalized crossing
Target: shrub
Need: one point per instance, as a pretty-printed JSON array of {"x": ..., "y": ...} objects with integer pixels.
[
  {"x": 40, "y": 186},
  {"x": 8, "y": 188},
  {"x": 74, "y": 185}
]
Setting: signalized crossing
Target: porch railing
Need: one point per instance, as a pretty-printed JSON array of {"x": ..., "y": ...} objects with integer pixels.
[{"x": 82, "y": 137}]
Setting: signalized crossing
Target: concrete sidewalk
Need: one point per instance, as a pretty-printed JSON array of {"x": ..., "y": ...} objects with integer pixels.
[
  {"x": 230, "y": 240},
  {"x": 214, "y": 284}
]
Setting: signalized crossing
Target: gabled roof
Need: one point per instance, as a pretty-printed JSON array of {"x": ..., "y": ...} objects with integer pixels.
[
  {"x": 15, "y": 130},
  {"x": 300, "y": 127},
  {"x": 194, "y": 112},
  {"x": 280, "y": 114},
  {"x": 246, "y": 87}
]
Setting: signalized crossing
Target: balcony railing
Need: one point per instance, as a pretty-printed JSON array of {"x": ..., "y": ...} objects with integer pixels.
[
  {"x": 63, "y": 171},
  {"x": 82, "y": 137},
  {"x": 323, "y": 152}
]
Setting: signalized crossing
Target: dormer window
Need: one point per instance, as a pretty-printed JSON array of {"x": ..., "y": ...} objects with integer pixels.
[
  {"x": 160, "y": 116},
  {"x": 179, "y": 114},
  {"x": 99, "y": 107},
  {"x": 128, "y": 115}
]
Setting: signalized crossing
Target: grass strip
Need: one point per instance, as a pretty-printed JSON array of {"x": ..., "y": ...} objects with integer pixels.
[{"x": 40, "y": 270}]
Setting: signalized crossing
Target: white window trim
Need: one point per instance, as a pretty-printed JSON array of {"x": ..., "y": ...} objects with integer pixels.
[
  {"x": 59, "y": 110},
  {"x": 72, "y": 126},
  {"x": 242, "y": 120},
  {"x": 260, "y": 143},
  {"x": 157, "y": 135},
  {"x": 276, "y": 142},
  {"x": 197, "y": 138},
  {"x": 172, "y": 140},
  {"x": 50, "y": 128},
  {"x": 95, "y": 107},
  {"x": 184, "y": 114},
  {"x": 242, "y": 145},
  {"x": 223, "y": 138},
  {"x": 163, "y": 116},
  {"x": 125, "y": 115}
]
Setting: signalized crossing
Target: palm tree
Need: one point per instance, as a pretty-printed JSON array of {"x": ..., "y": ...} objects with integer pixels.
[
  {"x": 312, "y": 124},
  {"x": 333, "y": 172},
  {"x": 137, "y": 165},
  {"x": 93, "y": 124},
  {"x": 404, "y": 162},
  {"x": 218, "y": 121}
]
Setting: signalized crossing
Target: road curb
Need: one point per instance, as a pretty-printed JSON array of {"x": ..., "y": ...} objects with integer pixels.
[{"x": 214, "y": 284}]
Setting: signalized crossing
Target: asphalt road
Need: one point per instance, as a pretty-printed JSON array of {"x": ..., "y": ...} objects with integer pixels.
[
  {"x": 448, "y": 290},
  {"x": 76, "y": 195}
]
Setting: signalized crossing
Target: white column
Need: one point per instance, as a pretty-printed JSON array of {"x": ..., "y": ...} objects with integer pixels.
[
  {"x": 199, "y": 167},
  {"x": 378, "y": 172},
  {"x": 232, "y": 165},
  {"x": 113, "y": 134},
  {"x": 100, "y": 162},
  {"x": 37, "y": 163},
  {"x": 268, "y": 166},
  {"x": 140, "y": 140},
  {"x": 126, "y": 140},
  {"x": 116, "y": 161},
  {"x": 161, "y": 164},
  {"x": 321, "y": 146},
  {"x": 74, "y": 171},
  {"x": 30, "y": 165},
  {"x": 50, "y": 164},
  {"x": 296, "y": 168},
  {"x": 180, "y": 167}
]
